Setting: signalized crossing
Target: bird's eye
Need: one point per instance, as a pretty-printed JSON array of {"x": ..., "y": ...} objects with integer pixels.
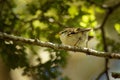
[{"x": 72, "y": 32}]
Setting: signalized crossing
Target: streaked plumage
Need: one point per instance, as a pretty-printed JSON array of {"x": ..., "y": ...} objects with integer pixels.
[{"x": 74, "y": 36}]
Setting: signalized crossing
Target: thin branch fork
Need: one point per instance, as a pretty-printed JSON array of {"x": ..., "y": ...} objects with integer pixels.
[{"x": 37, "y": 42}]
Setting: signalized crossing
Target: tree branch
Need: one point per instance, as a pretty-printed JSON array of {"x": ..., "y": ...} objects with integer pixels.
[
  {"x": 110, "y": 10},
  {"x": 108, "y": 13},
  {"x": 104, "y": 40},
  {"x": 37, "y": 42}
]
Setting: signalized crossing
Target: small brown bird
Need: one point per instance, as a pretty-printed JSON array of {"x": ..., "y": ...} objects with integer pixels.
[{"x": 74, "y": 36}]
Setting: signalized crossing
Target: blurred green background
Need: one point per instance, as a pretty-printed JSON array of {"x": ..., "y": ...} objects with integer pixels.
[{"x": 43, "y": 20}]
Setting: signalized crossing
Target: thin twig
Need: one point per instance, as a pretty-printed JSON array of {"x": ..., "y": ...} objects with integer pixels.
[
  {"x": 104, "y": 41},
  {"x": 108, "y": 13},
  {"x": 110, "y": 10}
]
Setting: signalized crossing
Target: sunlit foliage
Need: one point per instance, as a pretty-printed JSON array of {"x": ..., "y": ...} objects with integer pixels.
[{"x": 43, "y": 19}]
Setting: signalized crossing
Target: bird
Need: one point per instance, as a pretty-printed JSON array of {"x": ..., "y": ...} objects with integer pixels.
[{"x": 74, "y": 36}]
